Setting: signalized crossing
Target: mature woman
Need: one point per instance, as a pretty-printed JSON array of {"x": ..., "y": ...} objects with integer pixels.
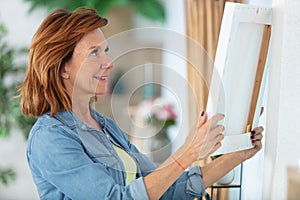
[{"x": 76, "y": 153}]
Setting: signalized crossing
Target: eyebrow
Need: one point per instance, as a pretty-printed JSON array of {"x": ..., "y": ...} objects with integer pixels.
[
  {"x": 94, "y": 47},
  {"x": 98, "y": 47}
]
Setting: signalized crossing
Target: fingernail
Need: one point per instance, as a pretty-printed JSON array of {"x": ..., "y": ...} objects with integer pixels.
[
  {"x": 202, "y": 113},
  {"x": 252, "y": 132},
  {"x": 252, "y": 137}
]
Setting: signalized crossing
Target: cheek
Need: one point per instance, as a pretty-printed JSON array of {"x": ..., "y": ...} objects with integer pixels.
[
  {"x": 80, "y": 78},
  {"x": 84, "y": 73},
  {"x": 90, "y": 65},
  {"x": 87, "y": 69}
]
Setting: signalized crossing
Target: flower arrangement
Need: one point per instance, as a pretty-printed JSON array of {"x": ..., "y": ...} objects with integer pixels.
[{"x": 160, "y": 113}]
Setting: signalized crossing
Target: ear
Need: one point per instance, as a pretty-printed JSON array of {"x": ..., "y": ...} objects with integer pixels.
[
  {"x": 64, "y": 72},
  {"x": 65, "y": 75}
]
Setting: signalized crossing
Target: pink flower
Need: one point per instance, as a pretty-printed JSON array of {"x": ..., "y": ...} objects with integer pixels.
[{"x": 160, "y": 112}]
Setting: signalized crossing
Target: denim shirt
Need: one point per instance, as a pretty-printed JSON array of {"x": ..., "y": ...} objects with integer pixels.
[{"x": 69, "y": 159}]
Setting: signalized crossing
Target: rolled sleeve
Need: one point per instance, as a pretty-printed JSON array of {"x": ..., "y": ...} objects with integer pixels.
[
  {"x": 138, "y": 189},
  {"x": 195, "y": 185},
  {"x": 188, "y": 186}
]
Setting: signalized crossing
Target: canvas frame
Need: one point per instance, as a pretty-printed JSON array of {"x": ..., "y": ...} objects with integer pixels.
[{"x": 240, "y": 72}]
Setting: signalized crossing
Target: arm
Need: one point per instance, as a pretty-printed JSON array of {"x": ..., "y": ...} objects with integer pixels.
[
  {"x": 216, "y": 169},
  {"x": 204, "y": 139},
  {"x": 221, "y": 166}
]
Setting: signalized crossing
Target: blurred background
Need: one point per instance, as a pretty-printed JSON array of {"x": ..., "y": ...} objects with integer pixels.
[{"x": 151, "y": 43}]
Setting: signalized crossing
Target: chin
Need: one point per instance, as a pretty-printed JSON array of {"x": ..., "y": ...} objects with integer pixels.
[{"x": 101, "y": 92}]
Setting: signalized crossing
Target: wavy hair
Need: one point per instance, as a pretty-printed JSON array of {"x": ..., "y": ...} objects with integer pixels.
[{"x": 52, "y": 47}]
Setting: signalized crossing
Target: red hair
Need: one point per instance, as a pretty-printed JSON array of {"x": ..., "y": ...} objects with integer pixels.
[{"x": 52, "y": 47}]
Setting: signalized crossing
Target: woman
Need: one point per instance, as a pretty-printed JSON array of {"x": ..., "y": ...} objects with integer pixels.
[{"x": 75, "y": 152}]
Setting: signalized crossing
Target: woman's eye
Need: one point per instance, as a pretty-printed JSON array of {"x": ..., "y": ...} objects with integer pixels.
[
  {"x": 94, "y": 52},
  {"x": 106, "y": 50}
]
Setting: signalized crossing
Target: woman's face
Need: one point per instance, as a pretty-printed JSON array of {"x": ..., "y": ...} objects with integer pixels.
[{"x": 87, "y": 73}]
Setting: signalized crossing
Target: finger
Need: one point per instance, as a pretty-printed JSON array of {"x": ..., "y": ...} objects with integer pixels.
[
  {"x": 257, "y": 130},
  {"x": 255, "y": 141},
  {"x": 257, "y": 144},
  {"x": 203, "y": 119},
  {"x": 257, "y": 137},
  {"x": 217, "y": 130},
  {"x": 216, "y": 146},
  {"x": 220, "y": 137},
  {"x": 212, "y": 121}
]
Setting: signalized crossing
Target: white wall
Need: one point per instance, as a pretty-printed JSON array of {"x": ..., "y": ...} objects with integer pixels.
[
  {"x": 282, "y": 140},
  {"x": 266, "y": 3},
  {"x": 282, "y": 128},
  {"x": 21, "y": 27},
  {"x": 172, "y": 35},
  {"x": 176, "y": 42},
  {"x": 12, "y": 155}
]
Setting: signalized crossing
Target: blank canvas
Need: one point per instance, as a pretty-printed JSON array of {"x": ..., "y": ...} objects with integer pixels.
[{"x": 242, "y": 39}]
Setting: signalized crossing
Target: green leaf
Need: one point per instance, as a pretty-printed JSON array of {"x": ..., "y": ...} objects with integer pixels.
[
  {"x": 2, "y": 31},
  {"x": 151, "y": 9},
  {"x": 104, "y": 6},
  {"x": 4, "y": 132},
  {"x": 7, "y": 176},
  {"x": 10, "y": 113}
]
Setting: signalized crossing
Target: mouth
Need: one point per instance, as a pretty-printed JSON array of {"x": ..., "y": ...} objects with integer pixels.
[{"x": 101, "y": 78}]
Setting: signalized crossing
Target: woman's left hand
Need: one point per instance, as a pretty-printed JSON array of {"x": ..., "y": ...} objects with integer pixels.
[{"x": 256, "y": 137}]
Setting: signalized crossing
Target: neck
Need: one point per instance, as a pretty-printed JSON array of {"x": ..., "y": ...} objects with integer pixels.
[
  {"x": 83, "y": 112},
  {"x": 81, "y": 107},
  {"x": 80, "y": 104}
]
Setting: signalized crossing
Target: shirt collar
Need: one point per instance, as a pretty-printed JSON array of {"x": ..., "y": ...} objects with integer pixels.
[{"x": 71, "y": 120}]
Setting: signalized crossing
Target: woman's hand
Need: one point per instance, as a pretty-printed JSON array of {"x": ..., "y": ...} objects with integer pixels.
[
  {"x": 205, "y": 137},
  {"x": 256, "y": 137}
]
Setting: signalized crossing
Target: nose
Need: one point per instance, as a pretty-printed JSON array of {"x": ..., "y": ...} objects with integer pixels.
[{"x": 108, "y": 64}]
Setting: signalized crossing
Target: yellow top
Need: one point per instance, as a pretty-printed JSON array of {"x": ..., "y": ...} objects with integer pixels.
[{"x": 129, "y": 164}]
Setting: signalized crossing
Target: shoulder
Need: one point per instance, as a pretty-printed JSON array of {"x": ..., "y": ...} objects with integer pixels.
[
  {"x": 49, "y": 130},
  {"x": 44, "y": 122}
]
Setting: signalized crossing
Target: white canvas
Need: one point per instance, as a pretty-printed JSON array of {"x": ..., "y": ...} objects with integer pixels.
[{"x": 234, "y": 73}]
